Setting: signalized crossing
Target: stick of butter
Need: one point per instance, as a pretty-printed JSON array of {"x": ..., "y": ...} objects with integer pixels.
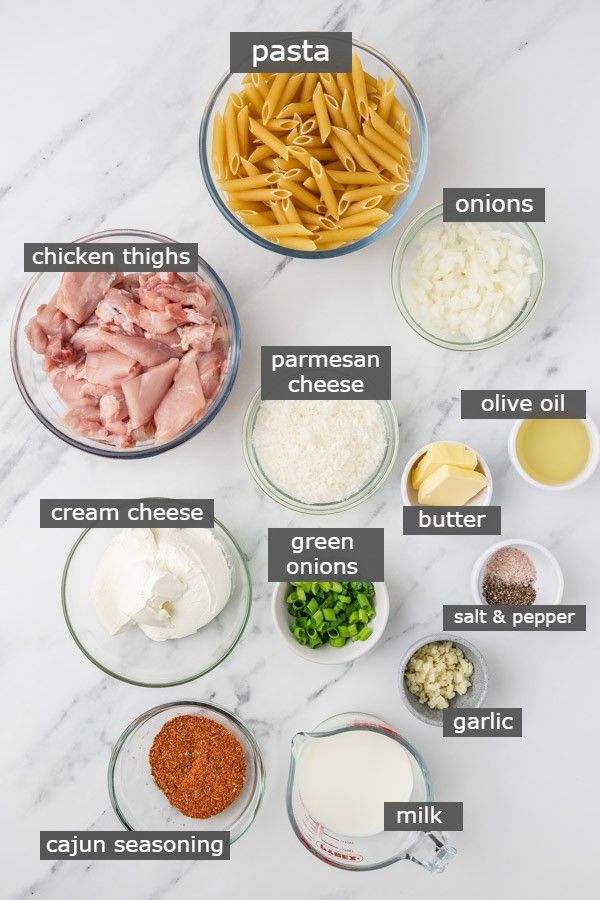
[
  {"x": 450, "y": 486},
  {"x": 441, "y": 454}
]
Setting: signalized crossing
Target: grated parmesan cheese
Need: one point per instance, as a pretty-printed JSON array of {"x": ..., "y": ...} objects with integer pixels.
[
  {"x": 319, "y": 451},
  {"x": 467, "y": 281}
]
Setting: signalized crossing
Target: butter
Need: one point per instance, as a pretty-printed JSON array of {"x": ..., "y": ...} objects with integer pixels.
[
  {"x": 450, "y": 486},
  {"x": 442, "y": 454}
]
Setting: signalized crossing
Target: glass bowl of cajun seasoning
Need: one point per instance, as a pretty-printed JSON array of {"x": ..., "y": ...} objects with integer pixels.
[{"x": 186, "y": 766}]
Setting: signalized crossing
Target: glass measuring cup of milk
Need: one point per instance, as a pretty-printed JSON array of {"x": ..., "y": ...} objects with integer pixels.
[{"x": 360, "y": 843}]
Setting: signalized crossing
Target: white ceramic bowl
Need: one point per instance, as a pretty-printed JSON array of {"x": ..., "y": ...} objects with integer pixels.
[
  {"x": 549, "y": 583},
  {"x": 474, "y": 696},
  {"x": 589, "y": 470},
  {"x": 327, "y": 655},
  {"x": 409, "y": 495}
]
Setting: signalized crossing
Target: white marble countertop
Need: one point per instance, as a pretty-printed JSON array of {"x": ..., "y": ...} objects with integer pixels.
[{"x": 102, "y": 132}]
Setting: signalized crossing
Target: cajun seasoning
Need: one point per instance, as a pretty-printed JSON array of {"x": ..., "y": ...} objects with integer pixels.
[{"x": 199, "y": 764}]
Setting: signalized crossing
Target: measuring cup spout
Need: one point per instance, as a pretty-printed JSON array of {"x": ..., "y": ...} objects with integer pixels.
[{"x": 298, "y": 742}]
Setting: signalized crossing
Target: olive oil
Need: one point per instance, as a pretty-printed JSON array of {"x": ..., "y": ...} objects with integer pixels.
[{"x": 553, "y": 451}]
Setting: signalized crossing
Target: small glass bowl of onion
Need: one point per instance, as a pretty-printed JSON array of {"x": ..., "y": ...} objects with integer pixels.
[{"x": 467, "y": 325}]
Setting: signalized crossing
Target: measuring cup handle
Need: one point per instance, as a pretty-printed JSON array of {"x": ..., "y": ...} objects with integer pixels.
[{"x": 432, "y": 851}]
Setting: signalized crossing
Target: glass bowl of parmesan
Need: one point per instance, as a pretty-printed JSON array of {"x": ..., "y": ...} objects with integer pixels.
[
  {"x": 156, "y": 607},
  {"x": 320, "y": 456},
  {"x": 467, "y": 285}
]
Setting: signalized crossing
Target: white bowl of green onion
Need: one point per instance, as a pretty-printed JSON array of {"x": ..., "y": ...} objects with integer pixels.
[{"x": 330, "y": 622}]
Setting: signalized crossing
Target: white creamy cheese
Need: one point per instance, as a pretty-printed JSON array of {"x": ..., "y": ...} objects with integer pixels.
[{"x": 168, "y": 581}]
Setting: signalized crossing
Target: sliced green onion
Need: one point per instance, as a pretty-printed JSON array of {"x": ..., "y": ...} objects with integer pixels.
[{"x": 330, "y": 611}]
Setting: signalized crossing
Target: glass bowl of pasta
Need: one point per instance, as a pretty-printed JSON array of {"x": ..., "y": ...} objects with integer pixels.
[{"x": 315, "y": 165}]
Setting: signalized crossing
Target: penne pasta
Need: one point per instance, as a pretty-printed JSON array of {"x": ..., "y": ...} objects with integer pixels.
[
  {"x": 290, "y": 212},
  {"x": 254, "y": 98},
  {"x": 342, "y": 153},
  {"x": 273, "y": 97},
  {"x": 373, "y": 190},
  {"x": 248, "y": 167},
  {"x": 345, "y": 235},
  {"x": 308, "y": 199},
  {"x": 296, "y": 243},
  {"x": 242, "y": 119},
  {"x": 344, "y": 80},
  {"x": 240, "y": 206},
  {"x": 312, "y": 160},
  {"x": 302, "y": 109},
  {"x": 231, "y": 138},
  {"x": 368, "y": 203},
  {"x": 308, "y": 125},
  {"x": 268, "y": 138},
  {"x": 374, "y": 216},
  {"x": 330, "y": 85},
  {"x": 296, "y": 174},
  {"x": 218, "y": 152},
  {"x": 289, "y": 92},
  {"x": 286, "y": 165},
  {"x": 278, "y": 213},
  {"x": 289, "y": 229},
  {"x": 356, "y": 150},
  {"x": 378, "y": 139},
  {"x": 390, "y": 134},
  {"x": 253, "y": 218},
  {"x": 400, "y": 116},
  {"x": 384, "y": 107},
  {"x": 314, "y": 220},
  {"x": 344, "y": 177},
  {"x": 360, "y": 86},
  {"x": 349, "y": 115},
  {"x": 343, "y": 204},
  {"x": 325, "y": 189},
  {"x": 260, "y": 82},
  {"x": 250, "y": 182},
  {"x": 321, "y": 113},
  {"x": 333, "y": 108},
  {"x": 260, "y": 153},
  {"x": 384, "y": 159},
  {"x": 308, "y": 86},
  {"x": 265, "y": 194}
]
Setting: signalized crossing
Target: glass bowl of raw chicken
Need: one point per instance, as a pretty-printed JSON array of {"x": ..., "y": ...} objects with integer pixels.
[{"x": 125, "y": 365}]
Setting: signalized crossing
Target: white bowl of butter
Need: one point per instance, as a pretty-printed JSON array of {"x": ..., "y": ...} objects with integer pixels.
[{"x": 446, "y": 473}]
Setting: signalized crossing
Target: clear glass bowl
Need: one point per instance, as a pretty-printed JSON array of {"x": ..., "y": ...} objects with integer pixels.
[
  {"x": 142, "y": 806},
  {"x": 132, "y": 656},
  {"x": 375, "y": 64},
  {"x": 367, "y": 490},
  {"x": 403, "y": 252},
  {"x": 36, "y": 387}
]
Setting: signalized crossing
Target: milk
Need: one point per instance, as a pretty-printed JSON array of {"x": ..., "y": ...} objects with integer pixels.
[{"x": 344, "y": 779}]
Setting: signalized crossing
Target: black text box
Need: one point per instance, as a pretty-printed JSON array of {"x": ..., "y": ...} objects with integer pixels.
[
  {"x": 300, "y": 373},
  {"x": 496, "y": 404},
  {"x": 326, "y": 550}
]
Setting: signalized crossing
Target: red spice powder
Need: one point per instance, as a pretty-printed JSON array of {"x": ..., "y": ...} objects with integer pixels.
[{"x": 199, "y": 765}]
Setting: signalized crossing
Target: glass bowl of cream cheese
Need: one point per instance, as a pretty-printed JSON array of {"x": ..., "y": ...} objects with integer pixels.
[{"x": 156, "y": 606}]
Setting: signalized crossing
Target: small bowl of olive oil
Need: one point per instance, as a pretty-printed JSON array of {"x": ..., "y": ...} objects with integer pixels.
[{"x": 554, "y": 454}]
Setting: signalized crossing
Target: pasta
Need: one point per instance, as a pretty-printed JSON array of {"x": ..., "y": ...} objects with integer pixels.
[{"x": 313, "y": 161}]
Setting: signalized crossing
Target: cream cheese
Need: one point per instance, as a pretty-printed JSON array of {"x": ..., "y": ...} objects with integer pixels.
[{"x": 168, "y": 581}]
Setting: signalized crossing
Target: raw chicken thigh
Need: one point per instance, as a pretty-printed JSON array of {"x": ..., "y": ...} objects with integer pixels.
[{"x": 133, "y": 356}]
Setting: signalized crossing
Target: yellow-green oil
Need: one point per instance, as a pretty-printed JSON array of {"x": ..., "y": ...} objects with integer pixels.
[{"x": 553, "y": 451}]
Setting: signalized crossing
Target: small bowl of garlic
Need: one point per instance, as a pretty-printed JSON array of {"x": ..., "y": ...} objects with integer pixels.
[{"x": 441, "y": 671}]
